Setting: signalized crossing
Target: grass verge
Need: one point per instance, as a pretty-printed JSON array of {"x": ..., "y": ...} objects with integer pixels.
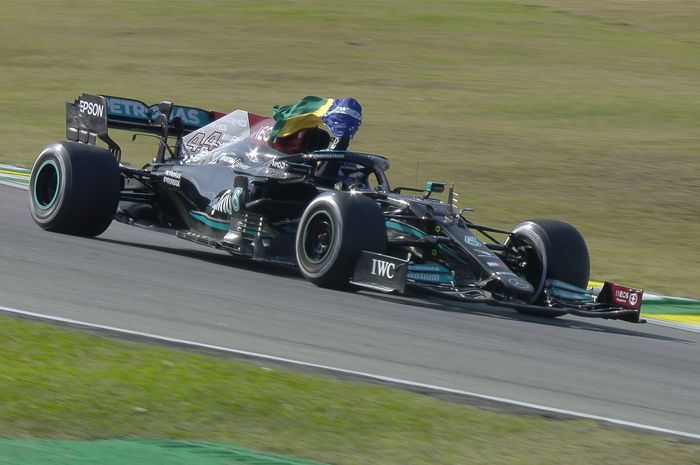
[{"x": 59, "y": 383}]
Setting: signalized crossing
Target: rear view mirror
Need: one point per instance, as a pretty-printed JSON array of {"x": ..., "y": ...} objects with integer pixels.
[
  {"x": 165, "y": 108},
  {"x": 437, "y": 187}
]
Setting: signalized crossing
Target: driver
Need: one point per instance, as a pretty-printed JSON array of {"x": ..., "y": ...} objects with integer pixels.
[{"x": 352, "y": 176}]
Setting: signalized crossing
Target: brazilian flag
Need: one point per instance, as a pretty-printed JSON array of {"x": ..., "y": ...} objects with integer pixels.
[{"x": 342, "y": 116}]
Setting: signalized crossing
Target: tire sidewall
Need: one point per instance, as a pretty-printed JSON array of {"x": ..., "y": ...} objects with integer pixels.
[
  {"x": 534, "y": 233},
  {"x": 87, "y": 195},
  {"x": 561, "y": 250},
  {"x": 50, "y": 217},
  {"x": 320, "y": 205},
  {"x": 357, "y": 223}
]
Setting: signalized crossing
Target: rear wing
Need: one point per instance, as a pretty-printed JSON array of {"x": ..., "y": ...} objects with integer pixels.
[
  {"x": 130, "y": 114},
  {"x": 90, "y": 116}
]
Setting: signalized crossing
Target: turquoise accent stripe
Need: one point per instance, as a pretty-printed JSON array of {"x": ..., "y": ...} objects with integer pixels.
[
  {"x": 255, "y": 232},
  {"x": 429, "y": 272},
  {"x": 41, "y": 177},
  {"x": 223, "y": 225},
  {"x": 396, "y": 226},
  {"x": 212, "y": 223},
  {"x": 404, "y": 228}
]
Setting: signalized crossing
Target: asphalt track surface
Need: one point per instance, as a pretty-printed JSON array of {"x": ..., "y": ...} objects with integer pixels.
[{"x": 151, "y": 282}]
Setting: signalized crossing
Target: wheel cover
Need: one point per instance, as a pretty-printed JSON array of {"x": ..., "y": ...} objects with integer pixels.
[
  {"x": 318, "y": 237},
  {"x": 47, "y": 185}
]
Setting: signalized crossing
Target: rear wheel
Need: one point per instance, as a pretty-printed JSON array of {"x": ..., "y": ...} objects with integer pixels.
[
  {"x": 334, "y": 229},
  {"x": 74, "y": 189},
  {"x": 549, "y": 249}
]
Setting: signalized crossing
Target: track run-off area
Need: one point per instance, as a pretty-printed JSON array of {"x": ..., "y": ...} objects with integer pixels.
[{"x": 146, "y": 284}]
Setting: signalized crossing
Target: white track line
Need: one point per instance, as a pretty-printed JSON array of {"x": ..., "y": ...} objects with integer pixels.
[{"x": 359, "y": 374}]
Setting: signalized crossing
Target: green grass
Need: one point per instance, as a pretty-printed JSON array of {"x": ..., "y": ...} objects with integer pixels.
[
  {"x": 582, "y": 111},
  {"x": 59, "y": 383}
]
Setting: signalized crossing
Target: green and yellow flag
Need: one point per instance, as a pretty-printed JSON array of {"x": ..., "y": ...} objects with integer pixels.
[{"x": 342, "y": 116}]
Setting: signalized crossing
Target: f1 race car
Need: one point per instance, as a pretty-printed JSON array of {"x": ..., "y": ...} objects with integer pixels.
[{"x": 286, "y": 189}]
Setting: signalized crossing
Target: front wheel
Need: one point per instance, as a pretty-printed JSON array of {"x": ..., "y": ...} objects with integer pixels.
[
  {"x": 548, "y": 249},
  {"x": 334, "y": 229}
]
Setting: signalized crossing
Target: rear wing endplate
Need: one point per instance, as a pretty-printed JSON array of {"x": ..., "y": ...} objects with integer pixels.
[{"x": 87, "y": 120}]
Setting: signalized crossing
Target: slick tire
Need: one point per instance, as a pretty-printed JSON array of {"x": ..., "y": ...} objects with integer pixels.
[
  {"x": 74, "y": 189},
  {"x": 334, "y": 229},
  {"x": 555, "y": 250}
]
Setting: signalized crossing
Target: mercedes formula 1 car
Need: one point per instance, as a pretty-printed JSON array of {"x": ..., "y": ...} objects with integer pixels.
[{"x": 287, "y": 189}]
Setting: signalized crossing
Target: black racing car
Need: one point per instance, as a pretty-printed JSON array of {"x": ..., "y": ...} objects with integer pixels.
[{"x": 330, "y": 212}]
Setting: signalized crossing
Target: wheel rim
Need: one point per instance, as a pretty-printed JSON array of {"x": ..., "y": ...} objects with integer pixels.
[
  {"x": 533, "y": 269},
  {"x": 318, "y": 237},
  {"x": 531, "y": 264},
  {"x": 47, "y": 185}
]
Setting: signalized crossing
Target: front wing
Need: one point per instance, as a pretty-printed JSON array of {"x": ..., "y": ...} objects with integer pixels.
[{"x": 390, "y": 274}]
